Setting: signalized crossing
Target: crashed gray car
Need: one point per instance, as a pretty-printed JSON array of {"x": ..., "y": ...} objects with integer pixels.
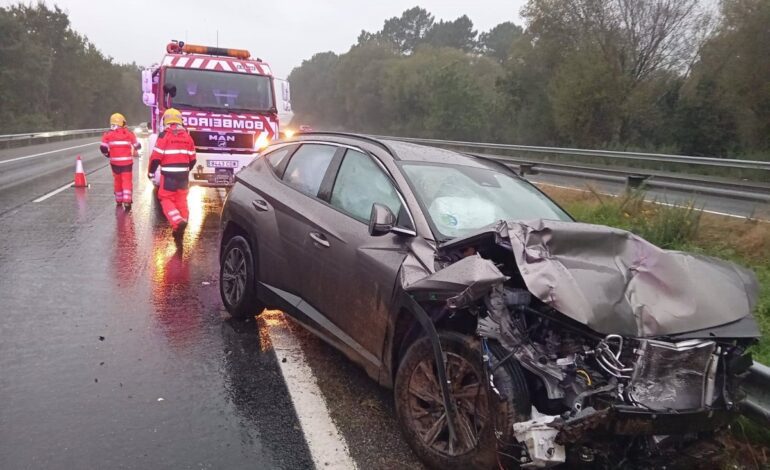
[{"x": 511, "y": 334}]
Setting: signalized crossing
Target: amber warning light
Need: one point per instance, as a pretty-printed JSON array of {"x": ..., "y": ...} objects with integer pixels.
[{"x": 180, "y": 47}]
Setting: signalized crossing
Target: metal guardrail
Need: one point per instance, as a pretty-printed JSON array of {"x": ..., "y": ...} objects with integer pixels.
[
  {"x": 728, "y": 163},
  {"x": 757, "y": 387},
  {"x": 631, "y": 176},
  {"x": 9, "y": 140},
  {"x": 39, "y": 135}
]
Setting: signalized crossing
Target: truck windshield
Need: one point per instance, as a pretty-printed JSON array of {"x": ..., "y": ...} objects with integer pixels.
[
  {"x": 207, "y": 89},
  {"x": 462, "y": 199}
]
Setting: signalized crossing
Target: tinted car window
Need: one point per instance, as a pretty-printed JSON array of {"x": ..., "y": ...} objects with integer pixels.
[
  {"x": 360, "y": 183},
  {"x": 276, "y": 157},
  {"x": 307, "y": 167}
]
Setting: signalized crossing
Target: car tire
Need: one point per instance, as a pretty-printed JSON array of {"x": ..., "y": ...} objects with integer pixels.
[
  {"x": 495, "y": 414},
  {"x": 237, "y": 279}
]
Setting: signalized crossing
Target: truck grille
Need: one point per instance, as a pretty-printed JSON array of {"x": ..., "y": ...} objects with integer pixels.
[
  {"x": 674, "y": 376},
  {"x": 223, "y": 140}
]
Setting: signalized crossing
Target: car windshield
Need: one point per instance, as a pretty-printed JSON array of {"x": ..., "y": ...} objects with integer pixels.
[
  {"x": 462, "y": 199},
  {"x": 206, "y": 89}
]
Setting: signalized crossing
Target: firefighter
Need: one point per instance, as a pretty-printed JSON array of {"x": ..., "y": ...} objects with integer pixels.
[
  {"x": 174, "y": 153},
  {"x": 119, "y": 145}
]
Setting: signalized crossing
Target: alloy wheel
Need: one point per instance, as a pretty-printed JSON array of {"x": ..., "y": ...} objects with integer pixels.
[
  {"x": 234, "y": 276},
  {"x": 426, "y": 406}
]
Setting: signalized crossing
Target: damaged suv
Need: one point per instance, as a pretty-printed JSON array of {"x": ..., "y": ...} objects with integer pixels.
[{"x": 511, "y": 334}]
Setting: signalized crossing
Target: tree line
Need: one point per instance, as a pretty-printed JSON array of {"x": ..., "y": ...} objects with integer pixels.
[
  {"x": 52, "y": 78},
  {"x": 681, "y": 76}
]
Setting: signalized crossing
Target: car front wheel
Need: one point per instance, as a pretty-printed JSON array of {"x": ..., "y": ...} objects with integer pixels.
[
  {"x": 484, "y": 419},
  {"x": 237, "y": 279}
]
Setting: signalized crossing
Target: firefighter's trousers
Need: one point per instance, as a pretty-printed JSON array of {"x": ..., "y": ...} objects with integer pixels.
[
  {"x": 174, "y": 204},
  {"x": 123, "y": 183}
]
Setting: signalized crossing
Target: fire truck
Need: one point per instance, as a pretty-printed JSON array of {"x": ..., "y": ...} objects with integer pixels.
[{"x": 230, "y": 104}]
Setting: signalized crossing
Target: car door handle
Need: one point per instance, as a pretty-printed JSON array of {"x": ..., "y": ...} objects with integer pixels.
[
  {"x": 320, "y": 239},
  {"x": 260, "y": 205}
]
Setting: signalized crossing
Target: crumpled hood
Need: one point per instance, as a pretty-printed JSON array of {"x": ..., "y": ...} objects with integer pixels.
[{"x": 616, "y": 282}]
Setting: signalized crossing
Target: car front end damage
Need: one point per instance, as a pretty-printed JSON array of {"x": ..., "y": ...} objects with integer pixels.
[{"x": 628, "y": 350}]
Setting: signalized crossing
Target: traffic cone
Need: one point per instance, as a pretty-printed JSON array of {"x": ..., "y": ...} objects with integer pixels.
[{"x": 80, "y": 175}]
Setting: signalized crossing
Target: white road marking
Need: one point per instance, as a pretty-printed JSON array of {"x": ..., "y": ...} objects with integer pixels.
[
  {"x": 725, "y": 214},
  {"x": 45, "y": 153},
  {"x": 327, "y": 446},
  {"x": 53, "y": 193}
]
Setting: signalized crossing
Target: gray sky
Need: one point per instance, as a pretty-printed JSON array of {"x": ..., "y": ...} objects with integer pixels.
[{"x": 281, "y": 32}]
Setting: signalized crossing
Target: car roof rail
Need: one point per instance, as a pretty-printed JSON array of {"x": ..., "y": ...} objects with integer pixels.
[{"x": 365, "y": 137}]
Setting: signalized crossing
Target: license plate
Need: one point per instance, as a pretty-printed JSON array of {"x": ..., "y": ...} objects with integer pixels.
[
  {"x": 223, "y": 176},
  {"x": 222, "y": 163}
]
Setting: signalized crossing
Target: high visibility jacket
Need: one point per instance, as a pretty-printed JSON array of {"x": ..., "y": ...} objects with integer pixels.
[
  {"x": 119, "y": 146},
  {"x": 174, "y": 153}
]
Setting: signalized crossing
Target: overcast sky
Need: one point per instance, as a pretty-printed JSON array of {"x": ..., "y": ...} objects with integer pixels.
[{"x": 281, "y": 32}]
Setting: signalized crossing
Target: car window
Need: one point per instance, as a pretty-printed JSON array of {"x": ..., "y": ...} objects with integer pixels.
[
  {"x": 360, "y": 183},
  {"x": 307, "y": 167},
  {"x": 276, "y": 157},
  {"x": 461, "y": 199}
]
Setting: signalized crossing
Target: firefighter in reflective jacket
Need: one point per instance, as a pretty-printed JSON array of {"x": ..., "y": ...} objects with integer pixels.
[
  {"x": 119, "y": 145},
  {"x": 174, "y": 153}
]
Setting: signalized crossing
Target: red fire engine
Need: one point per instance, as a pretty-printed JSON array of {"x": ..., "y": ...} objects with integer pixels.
[{"x": 227, "y": 100}]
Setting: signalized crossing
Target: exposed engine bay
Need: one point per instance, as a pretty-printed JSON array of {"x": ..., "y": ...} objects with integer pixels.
[{"x": 619, "y": 341}]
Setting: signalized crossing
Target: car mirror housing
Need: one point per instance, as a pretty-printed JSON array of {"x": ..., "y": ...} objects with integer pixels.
[{"x": 381, "y": 220}]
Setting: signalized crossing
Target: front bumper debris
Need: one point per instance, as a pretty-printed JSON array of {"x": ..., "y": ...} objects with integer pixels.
[{"x": 621, "y": 420}]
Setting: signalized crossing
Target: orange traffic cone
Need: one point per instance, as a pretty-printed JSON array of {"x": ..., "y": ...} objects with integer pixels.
[{"x": 80, "y": 175}]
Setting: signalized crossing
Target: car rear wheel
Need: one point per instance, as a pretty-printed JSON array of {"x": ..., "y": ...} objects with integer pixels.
[
  {"x": 237, "y": 279},
  {"x": 484, "y": 419}
]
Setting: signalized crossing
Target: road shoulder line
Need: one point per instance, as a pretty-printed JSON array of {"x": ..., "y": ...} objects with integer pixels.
[
  {"x": 16, "y": 159},
  {"x": 52, "y": 193},
  {"x": 327, "y": 446}
]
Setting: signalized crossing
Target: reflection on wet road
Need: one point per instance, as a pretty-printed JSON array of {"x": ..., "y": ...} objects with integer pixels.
[{"x": 116, "y": 351}]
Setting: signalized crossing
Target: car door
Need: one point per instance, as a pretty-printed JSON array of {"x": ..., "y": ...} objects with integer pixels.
[
  {"x": 353, "y": 274},
  {"x": 298, "y": 211},
  {"x": 259, "y": 189}
]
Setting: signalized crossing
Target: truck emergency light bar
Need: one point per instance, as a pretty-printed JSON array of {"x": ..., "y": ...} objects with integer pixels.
[{"x": 177, "y": 47}]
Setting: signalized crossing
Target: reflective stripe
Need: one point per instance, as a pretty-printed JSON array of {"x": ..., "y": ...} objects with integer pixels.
[
  {"x": 119, "y": 142},
  {"x": 173, "y": 212},
  {"x": 121, "y": 159},
  {"x": 174, "y": 152},
  {"x": 177, "y": 169}
]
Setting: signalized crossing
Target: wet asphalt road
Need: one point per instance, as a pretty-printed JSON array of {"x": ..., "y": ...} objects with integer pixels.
[
  {"x": 115, "y": 350},
  {"x": 29, "y": 172}
]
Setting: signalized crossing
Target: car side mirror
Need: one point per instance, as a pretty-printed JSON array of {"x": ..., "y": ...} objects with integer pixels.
[{"x": 381, "y": 220}]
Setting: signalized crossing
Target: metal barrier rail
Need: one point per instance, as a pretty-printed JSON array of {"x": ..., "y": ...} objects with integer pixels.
[
  {"x": 16, "y": 140},
  {"x": 727, "y": 163},
  {"x": 682, "y": 182},
  {"x": 734, "y": 189},
  {"x": 49, "y": 134},
  {"x": 757, "y": 386}
]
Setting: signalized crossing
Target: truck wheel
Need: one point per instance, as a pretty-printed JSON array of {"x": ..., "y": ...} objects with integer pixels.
[
  {"x": 481, "y": 413},
  {"x": 237, "y": 279}
]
